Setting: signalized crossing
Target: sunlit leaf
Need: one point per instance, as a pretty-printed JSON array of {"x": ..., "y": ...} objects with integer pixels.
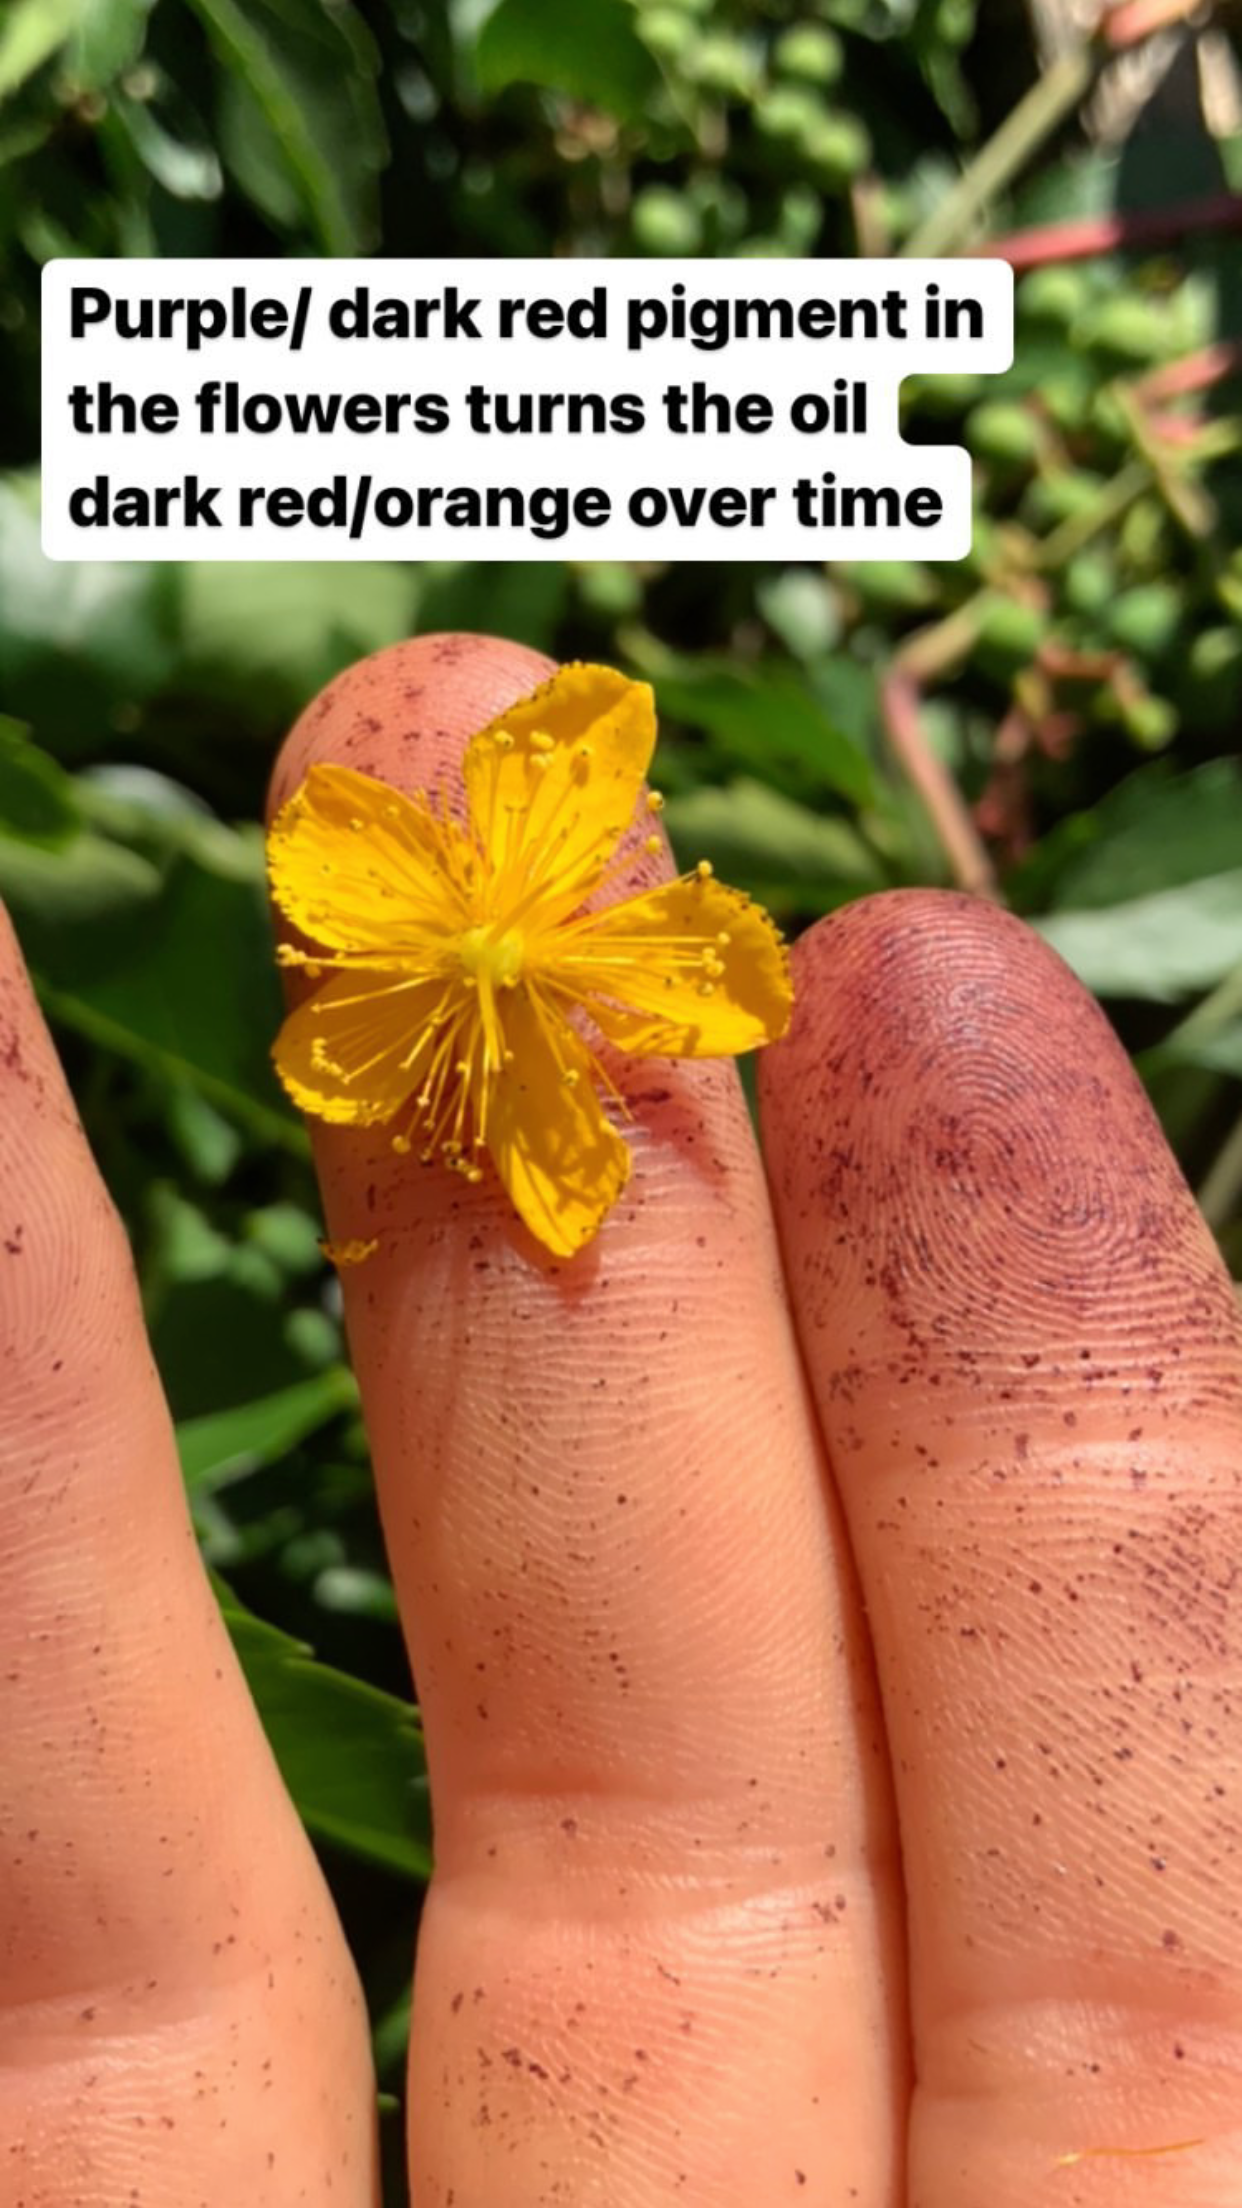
[
  {"x": 300, "y": 86},
  {"x": 226, "y": 1446},
  {"x": 30, "y": 33},
  {"x": 351, "y": 1756},
  {"x": 1161, "y": 947},
  {"x": 598, "y": 58}
]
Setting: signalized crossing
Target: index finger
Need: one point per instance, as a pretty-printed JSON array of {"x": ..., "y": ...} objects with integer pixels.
[{"x": 660, "y": 1954}]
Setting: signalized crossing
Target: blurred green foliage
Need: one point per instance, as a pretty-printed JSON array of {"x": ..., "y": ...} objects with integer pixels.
[{"x": 1080, "y": 675}]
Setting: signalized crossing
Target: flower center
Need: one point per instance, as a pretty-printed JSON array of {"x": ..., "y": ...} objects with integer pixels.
[{"x": 495, "y": 958}]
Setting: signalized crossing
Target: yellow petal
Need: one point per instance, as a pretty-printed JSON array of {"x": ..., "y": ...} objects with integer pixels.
[
  {"x": 358, "y": 867},
  {"x": 357, "y": 1049},
  {"x": 553, "y": 783},
  {"x": 691, "y": 970},
  {"x": 559, "y": 1159}
]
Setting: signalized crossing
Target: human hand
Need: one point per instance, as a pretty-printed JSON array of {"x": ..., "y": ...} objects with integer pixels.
[{"x": 868, "y": 1839}]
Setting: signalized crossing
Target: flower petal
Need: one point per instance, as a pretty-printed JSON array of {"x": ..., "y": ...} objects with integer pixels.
[
  {"x": 359, "y": 867},
  {"x": 691, "y": 970},
  {"x": 357, "y": 1049},
  {"x": 552, "y": 784},
  {"x": 559, "y": 1159}
]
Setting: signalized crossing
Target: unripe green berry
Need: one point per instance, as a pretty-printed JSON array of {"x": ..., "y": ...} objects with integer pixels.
[
  {"x": 837, "y": 148},
  {"x": 722, "y": 64},
  {"x": 810, "y": 52},
  {"x": 665, "y": 222},
  {"x": 1003, "y": 432}
]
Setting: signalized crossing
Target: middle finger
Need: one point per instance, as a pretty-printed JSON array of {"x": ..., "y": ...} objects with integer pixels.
[{"x": 659, "y": 1958}]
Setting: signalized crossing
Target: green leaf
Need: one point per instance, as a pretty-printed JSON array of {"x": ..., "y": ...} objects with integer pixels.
[
  {"x": 76, "y": 637},
  {"x": 1154, "y": 831},
  {"x": 184, "y": 985},
  {"x": 108, "y": 36},
  {"x": 264, "y": 636},
  {"x": 596, "y": 57},
  {"x": 92, "y": 885},
  {"x": 36, "y": 796},
  {"x": 1160, "y": 948},
  {"x": 226, "y": 1446},
  {"x": 351, "y": 1756},
  {"x": 30, "y": 34},
  {"x": 764, "y": 718},
  {"x": 765, "y": 841},
  {"x": 301, "y": 120},
  {"x": 187, "y": 168}
]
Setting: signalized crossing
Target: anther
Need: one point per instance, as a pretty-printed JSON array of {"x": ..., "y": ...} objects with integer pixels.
[
  {"x": 540, "y": 742},
  {"x": 655, "y": 801},
  {"x": 503, "y": 740},
  {"x": 401, "y": 1144},
  {"x": 571, "y": 1077},
  {"x": 654, "y": 845},
  {"x": 703, "y": 870}
]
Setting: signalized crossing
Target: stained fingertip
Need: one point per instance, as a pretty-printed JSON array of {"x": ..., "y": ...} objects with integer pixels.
[
  {"x": 404, "y": 713},
  {"x": 965, "y": 1160}
]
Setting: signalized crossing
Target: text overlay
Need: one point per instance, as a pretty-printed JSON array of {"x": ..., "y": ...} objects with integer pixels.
[{"x": 295, "y": 410}]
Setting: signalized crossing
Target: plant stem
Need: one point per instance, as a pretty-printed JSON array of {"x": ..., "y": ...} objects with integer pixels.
[
  {"x": 1036, "y": 116},
  {"x": 1080, "y": 240},
  {"x": 1130, "y": 21},
  {"x": 1221, "y": 1187},
  {"x": 900, "y": 701},
  {"x": 1070, "y": 537}
]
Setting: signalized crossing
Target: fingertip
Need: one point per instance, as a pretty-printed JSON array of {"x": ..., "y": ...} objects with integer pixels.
[
  {"x": 878, "y": 969},
  {"x": 404, "y": 714},
  {"x": 958, "y": 1145}
]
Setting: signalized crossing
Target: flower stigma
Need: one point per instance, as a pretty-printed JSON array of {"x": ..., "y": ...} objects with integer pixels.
[
  {"x": 492, "y": 958},
  {"x": 461, "y": 966}
]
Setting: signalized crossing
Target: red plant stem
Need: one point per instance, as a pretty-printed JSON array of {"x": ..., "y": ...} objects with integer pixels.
[
  {"x": 1197, "y": 372},
  {"x": 969, "y": 863},
  {"x": 1078, "y": 241},
  {"x": 1125, "y": 24}
]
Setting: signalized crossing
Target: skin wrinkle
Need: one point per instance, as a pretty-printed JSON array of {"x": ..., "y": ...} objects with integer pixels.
[
  {"x": 593, "y": 1630},
  {"x": 1005, "y": 1364}
]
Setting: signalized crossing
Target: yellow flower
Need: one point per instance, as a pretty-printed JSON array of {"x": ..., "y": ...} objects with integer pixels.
[{"x": 463, "y": 959}]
